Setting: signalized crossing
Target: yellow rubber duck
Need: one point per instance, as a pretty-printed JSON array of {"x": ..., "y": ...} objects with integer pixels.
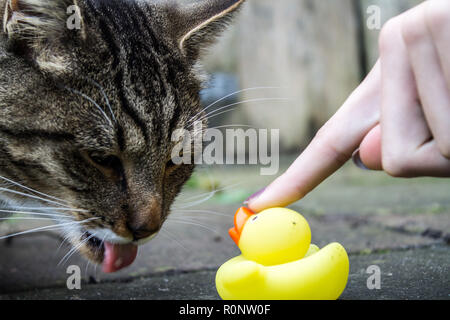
[{"x": 278, "y": 261}]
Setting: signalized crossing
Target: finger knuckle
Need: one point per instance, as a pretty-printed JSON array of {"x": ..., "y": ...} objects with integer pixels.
[
  {"x": 437, "y": 14},
  {"x": 330, "y": 149},
  {"x": 387, "y": 38},
  {"x": 322, "y": 133},
  {"x": 396, "y": 166},
  {"x": 413, "y": 30},
  {"x": 445, "y": 149}
]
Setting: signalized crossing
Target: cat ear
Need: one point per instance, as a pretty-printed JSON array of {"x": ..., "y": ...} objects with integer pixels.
[
  {"x": 198, "y": 25},
  {"x": 40, "y": 28}
]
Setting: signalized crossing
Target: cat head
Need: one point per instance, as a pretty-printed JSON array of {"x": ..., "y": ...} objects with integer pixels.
[{"x": 90, "y": 94}]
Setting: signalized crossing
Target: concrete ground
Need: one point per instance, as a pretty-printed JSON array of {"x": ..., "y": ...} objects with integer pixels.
[{"x": 401, "y": 226}]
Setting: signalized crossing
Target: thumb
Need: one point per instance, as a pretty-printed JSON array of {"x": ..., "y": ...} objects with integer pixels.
[{"x": 369, "y": 153}]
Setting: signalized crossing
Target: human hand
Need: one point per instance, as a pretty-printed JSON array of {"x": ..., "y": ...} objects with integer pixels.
[{"x": 397, "y": 120}]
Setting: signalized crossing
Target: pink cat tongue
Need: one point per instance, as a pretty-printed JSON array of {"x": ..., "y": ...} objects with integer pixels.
[{"x": 118, "y": 256}]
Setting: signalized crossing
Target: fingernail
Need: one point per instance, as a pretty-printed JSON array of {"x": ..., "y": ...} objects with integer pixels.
[
  {"x": 254, "y": 196},
  {"x": 357, "y": 161}
]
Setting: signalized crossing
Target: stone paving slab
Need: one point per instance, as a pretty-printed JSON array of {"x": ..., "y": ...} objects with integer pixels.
[
  {"x": 405, "y": 274},
  {"x": 432, "y": 226},
  {"x": 31, "y": 262},
  {"x": 368, "y": 213}
]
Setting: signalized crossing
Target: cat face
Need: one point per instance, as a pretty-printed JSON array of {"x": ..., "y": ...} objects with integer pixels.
[{"x": 91, "y": 92}]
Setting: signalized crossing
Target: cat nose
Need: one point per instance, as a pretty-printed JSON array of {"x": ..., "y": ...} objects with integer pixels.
[
  {"x": 145, "y": 218},
  {"x": 142, "y": 233},
  {"x": 144, "y": 229},
  {"x": 145, "y": 223}
]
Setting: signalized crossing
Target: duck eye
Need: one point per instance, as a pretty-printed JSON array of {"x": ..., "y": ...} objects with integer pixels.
[{"x": 254, "y": 218}]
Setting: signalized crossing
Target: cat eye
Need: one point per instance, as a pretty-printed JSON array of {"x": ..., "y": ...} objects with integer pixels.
[
  {"x": 110, "y": 165},
  {"x": 108, "y": 161},
  {"x": 170, "y": 165}
]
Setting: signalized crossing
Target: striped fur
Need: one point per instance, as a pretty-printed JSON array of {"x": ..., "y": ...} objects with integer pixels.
[{"x": 117, "y": 89}]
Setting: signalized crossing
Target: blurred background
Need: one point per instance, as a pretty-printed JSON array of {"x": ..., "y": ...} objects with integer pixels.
[
  {"x": 313, "y": 53},
  {"x": 316, "y": 51}
]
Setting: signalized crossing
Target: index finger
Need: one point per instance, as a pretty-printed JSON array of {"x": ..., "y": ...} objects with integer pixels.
[{"x": 331, "y": 148}]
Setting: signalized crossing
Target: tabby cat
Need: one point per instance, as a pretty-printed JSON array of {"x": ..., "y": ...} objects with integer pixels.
[{"x": 90, "y": 93}]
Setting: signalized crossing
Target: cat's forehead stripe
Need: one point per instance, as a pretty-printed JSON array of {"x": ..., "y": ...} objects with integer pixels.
[{"x": 143, "y": 64}]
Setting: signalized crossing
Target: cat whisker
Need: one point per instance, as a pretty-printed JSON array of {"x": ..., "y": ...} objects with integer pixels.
[
  {"x": 230, "y": 95},
  {"x": 204, "y": 218},
  {"x": 236, "y": 104},
  {"x": 5, "y": 184},
  {"x": 194, "y": 203},
  {"x": 230, "y": 126},
  {"x": 55, "y": 215},
  {"x": 95, "y": 269},
  {"x": 206, "y": 193},
  {"x": 64, "y": 240},
  {"x": 208, "y": 196},
  {"x": 47, "y": 228},
  {"x": 87, "y": 267},
  {"x": 194, "y": 223},
  {"x": 204, "y": 130},
  {"x": 104, "y": 96},
  {"x": 31, "y": 196},
  {"x": 49, "y": 209},
  {"x": 102, "y": 242},
  {"x": 213, "y": 213},
  {"x": 26, "y": 218},
  {"x": 171, "y": 237},
  {"x": 97, "y": 250},
  {"x": 32, "y": 190},
  {"x": 91, "y": 101},
  {"x": 75, "y": 248},
  {"x": 216, "y": 190},
  {"x": 63, "y": 204},
  {"x": 213, "y": 116}
]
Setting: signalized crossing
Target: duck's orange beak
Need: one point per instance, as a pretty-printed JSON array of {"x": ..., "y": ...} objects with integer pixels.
[{"x": 240, "y": 218}]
